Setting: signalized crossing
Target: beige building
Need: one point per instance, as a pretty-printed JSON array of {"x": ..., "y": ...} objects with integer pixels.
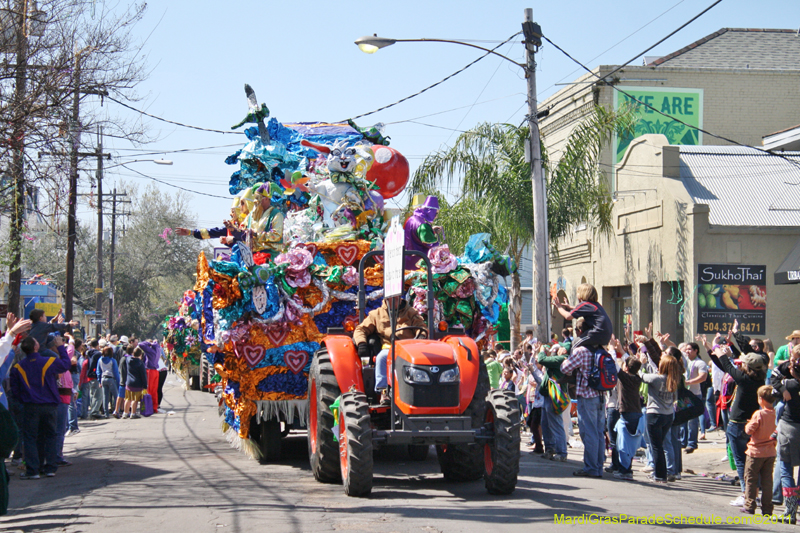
[
  {"x": 685, "y": 207},
  {"x": 692, "y": 223}
]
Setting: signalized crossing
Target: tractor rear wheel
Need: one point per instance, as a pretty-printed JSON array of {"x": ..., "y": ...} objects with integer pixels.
[
  {"x": 323, "y": 389},
  {"x": 464, "y": 462},
  {"x": 501, "y": 454},
  {"x": 355, "y": 444}
]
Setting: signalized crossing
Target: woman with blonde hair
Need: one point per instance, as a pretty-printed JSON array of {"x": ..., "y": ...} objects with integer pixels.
[{"x": 662, "y": 392}]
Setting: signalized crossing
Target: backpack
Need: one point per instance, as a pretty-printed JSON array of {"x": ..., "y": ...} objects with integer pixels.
[{"x": 603, "y": 374}]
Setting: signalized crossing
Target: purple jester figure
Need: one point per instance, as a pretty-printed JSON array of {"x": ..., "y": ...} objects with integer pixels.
[{"x": 420, "y": 232}]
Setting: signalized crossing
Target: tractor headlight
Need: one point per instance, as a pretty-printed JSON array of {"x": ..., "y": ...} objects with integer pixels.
[
  {"x": 449, "y": 376},
  {"x": 416, "y": 375}
]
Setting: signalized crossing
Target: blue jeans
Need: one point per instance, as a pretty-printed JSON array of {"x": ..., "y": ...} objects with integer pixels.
[
  {"x": 83, "y": 401},
  {"x": 777, "y": 479},
  {"x": 96, "y": 395},
  {"x": 788, "y": 481},
  {"x": 632, "y": 422},
  {"x": 62, "y": 412},
  {"x": 672, "y": 450},
  {"x": 591, "y": 423},
  {"x": 709, "y": 417},
  {"x": 648, "y": 448},
  {"x": 72, "y": 414},
  {"x": 612, "y": 416},
  {"x": 690, "y": 431},
  {"x": 109, "y": 395},
  {"x": 555, "y": 440},
  {"x": 39, "y": 423},
  {"x": 658, "y": 428},
  {"x": 381, "y": 377},
  {"x": 777, "y": 493},
  {"x": 738, "y": 439}
]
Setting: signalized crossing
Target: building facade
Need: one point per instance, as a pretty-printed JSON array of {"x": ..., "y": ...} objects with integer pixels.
[{"x": 738, "y": 85}]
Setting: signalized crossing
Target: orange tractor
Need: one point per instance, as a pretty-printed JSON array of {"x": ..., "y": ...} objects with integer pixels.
[{"x": 440, "y": 396}]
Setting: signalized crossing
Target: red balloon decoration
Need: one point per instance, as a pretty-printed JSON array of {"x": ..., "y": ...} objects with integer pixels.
[{"x": 389, "y": 171}]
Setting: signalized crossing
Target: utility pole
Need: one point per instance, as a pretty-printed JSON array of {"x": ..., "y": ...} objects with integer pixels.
[
  {"x": 18, "y": 159},
  {"x": 113, "y": 255},
  {"x": 72, "y": 228},
  {"x": 541, "y": 251},
  {"x": 99, "y": 286}
]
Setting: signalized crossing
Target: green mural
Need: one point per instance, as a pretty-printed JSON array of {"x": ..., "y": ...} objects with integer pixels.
[{"x": 685, "y": 105}]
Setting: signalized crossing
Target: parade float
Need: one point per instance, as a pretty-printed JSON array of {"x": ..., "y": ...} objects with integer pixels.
[{"x": 308, "y": 204}]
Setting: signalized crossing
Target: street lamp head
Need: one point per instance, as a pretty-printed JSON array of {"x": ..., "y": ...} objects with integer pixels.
[
  {"x": 162, "y": 161},
  {"x": 370, "y": 45}
]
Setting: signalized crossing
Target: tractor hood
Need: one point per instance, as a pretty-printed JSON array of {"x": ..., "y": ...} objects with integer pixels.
[{"x": 425, "y": 352}]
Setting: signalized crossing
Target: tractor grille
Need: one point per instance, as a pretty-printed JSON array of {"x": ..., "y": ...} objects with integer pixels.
[{"x": 433, "y": 394}]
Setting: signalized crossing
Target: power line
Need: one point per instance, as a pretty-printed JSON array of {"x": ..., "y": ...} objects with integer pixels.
[
  {"x": 172, "y": 121},
  {"x": 174, "y": 151},
  {"x": 499, "y": 64},
  {"x": 176, "y": 186},
  {"x": 551, "y": 106},
  {"x": 435, "y": 84},
  {"x": 614, "y": 45},
  {"x": 453, "y": 109},
  {"x": 634, "y": 99},
  {"x": 679, "y": 28}
]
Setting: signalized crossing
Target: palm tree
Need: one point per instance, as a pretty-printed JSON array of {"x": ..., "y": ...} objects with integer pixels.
[{"x": 488, "y": 163}]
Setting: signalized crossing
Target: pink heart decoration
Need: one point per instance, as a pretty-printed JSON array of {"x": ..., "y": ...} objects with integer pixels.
[
  {"x": 276, "y": 335},
  {"x": 253, "y": 353},
  {"x": 295, "y": 360},
  {"x": 310, "y": 247},
  {"x": 378, "y": 258},
  {"x": 347, "y": 253}
]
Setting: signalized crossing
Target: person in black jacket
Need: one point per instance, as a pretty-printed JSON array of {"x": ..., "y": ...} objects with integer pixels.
[
  {"x": 135, "y": 384},
  {"x": 785, "y": 381},
  {"x": 745, "y": 401}
]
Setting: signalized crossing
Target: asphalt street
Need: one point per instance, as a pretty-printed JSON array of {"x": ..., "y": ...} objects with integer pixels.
[{"x": 176, "y": 472}]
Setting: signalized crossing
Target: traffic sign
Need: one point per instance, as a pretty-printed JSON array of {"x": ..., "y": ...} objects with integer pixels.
[
  {"x": 98, "y": 290},
  {"x": 89, "y": 312},
  {"x": 98, "y": 321},
  {"x": 393, "y": 259}
]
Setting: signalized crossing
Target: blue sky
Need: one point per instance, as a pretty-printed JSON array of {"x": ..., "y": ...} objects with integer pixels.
[{"x": 300, "y": 59}]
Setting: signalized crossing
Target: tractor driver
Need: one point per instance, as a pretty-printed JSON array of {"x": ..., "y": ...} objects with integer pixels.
[{"x": 378, "y": 323}]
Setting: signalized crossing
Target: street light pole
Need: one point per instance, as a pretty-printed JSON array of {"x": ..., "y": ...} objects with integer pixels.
[
  {"x": 541, "y": 256},
  {"x": 541, "y": 249}
]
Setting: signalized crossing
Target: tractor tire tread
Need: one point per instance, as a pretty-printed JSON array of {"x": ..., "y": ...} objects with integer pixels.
[
  {"x": 355, "y": 411},
  {"x": 325, "y": 462},
  {"x": 506, "y": 445}
]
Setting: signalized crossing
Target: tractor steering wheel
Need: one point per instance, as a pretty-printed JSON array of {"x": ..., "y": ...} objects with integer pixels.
[{"x": 419, "y": 328}]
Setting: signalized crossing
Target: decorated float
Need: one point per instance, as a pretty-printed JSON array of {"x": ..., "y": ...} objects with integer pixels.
[{"x": 308, "y": 204}]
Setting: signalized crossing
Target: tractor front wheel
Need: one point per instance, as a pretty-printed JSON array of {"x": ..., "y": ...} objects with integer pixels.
[
  {"x": 501, "y": 454},
  {"x": 355, "y": 444},
  {"x": 323, "y": 389}
]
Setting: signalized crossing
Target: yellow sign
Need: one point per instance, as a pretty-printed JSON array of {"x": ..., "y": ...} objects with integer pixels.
[
  {"x": 49, "y": 309},
  {"x": 98, "y": 290}
]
